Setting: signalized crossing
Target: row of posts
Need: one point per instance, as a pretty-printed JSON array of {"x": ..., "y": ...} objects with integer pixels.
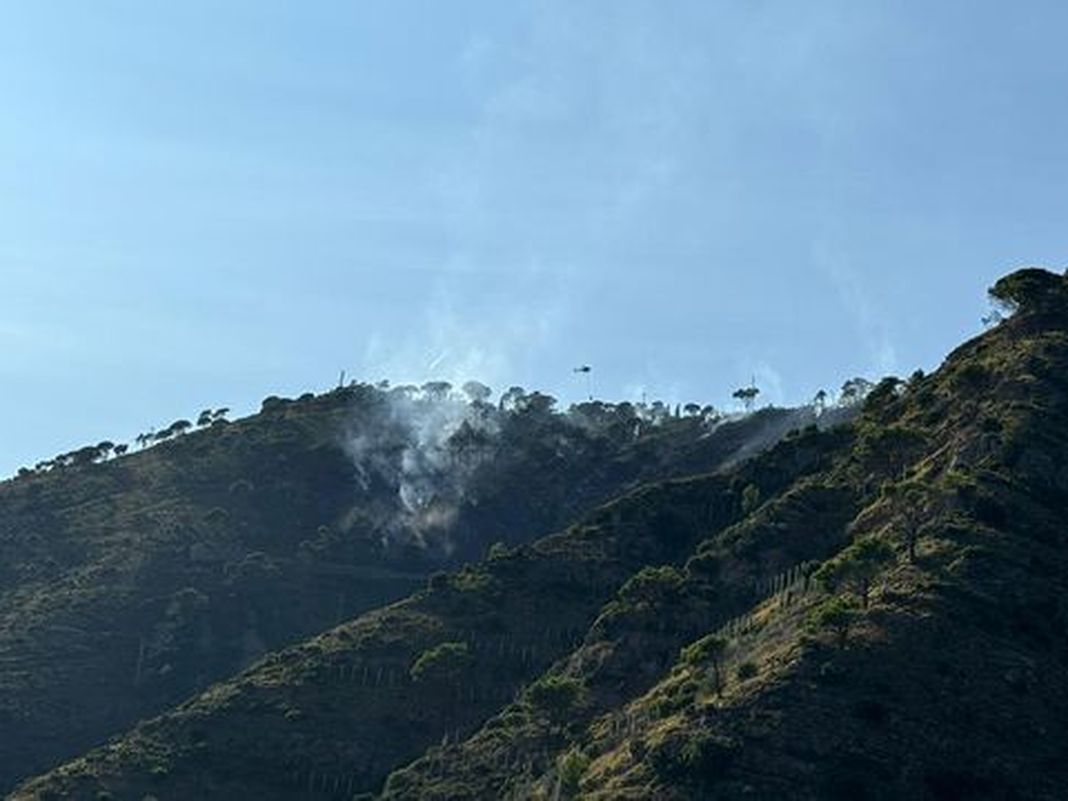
[
  {"x": 525, "y": 653},
  {"x": 787, "y": 586}
]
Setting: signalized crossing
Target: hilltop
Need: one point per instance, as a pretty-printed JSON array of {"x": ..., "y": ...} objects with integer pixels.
[
  {"x": 129, "y": 583},
  {"x": 871, "y": 610}
]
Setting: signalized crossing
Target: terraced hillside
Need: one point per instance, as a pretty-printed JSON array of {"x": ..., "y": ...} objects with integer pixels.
[
  {"x": 891, "y": 627},
  {"x": 871, "y": 612},
  {"x": 127, "y": 586}
]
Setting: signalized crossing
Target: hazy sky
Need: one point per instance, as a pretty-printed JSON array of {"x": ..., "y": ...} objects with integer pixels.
[{"x": 204, "y": 203}]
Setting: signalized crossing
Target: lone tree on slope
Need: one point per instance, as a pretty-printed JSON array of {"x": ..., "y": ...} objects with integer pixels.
[
  {"x": 915, "y": 502},
  {"x": 747, "y": 395},
  {"x": 1029, "y": 290},
  {"x": 856, "y": 567}
]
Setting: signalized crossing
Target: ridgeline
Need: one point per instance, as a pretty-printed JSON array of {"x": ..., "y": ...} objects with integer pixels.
[{"x": 868, "y": 608}]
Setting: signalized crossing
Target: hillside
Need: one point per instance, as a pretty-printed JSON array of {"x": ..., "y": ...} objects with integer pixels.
[
  {"x": 925, "y": 659},
  {"x": 723, "y": 567},
  {"x": 128, "y": 585},
  {"x": 871, "y": 611}
]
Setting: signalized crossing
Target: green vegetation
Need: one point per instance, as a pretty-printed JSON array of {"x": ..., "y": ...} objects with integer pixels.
[
  {"x": 441, "y": 664},
  {"x": 556, "y": 697},
  {"x": 836, "y": 614},
  {"x": 267, "y": 520},
  {"x": 856, "y": 567},
  {"x": 887, "y": 592}
]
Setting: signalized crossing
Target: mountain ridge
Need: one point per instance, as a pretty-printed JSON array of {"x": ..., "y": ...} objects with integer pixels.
[
  {"x": 127, "y": 585},
  {"x": 871, "y": 611}
]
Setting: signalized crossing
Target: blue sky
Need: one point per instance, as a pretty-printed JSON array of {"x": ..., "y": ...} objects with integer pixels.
[{"x": 205, "y": 203}]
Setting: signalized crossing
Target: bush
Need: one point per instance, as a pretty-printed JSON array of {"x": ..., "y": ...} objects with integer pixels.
[
  {"x": 652, "y": 584},
  {"x": 856, "y": 567},
  {"x": 556, "y": 696},
  {"x": 442, "y": 663},
  {"x": 836, "y": 614},
  {"x": 272, "y": 403}
]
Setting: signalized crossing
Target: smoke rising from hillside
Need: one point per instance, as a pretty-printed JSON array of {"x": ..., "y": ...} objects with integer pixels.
[
  {"x": 423, "y": 445},
  {"x": 424, "y": 456}
]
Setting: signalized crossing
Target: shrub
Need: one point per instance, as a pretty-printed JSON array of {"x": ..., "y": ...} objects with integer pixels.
[
  {"x": 556, "y": 696},
  {"x": 708, "y": 650},
  {"x": 652, "y": 584},
  {"x": 836, "y": 614},
  {"x": 441, "y": 664},
  {"x": 856, "y": 567}
]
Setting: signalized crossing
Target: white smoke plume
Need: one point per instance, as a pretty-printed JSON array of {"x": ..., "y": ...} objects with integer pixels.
[{"x": 424, "y": 445}]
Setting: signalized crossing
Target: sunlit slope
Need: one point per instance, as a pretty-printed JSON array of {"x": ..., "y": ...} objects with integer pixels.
[
  {"x": 349, "y": 706},
  {"x": 927, "y": 658},
  {"x": 126, "y": 586},
  {"x": 871, "y": 612}
]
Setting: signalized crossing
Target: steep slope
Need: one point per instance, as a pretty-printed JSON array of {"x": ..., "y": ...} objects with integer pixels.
[
  {"x": 927, "y": 658},
  {"x": 335, "y": 715},
  {"x": 871, "y": 612},
  {"x": 127, "y": 586}
]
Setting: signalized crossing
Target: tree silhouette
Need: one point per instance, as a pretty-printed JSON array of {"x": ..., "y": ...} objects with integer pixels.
[
  {"x": 555, "y": 696},
  {"x": 468, "y": 442},
  {"x": 437, "y": 390},
  {"x": 747, "y": 395},
  {"x": 854, "y": 391},
  {"x": 710, "y": 649},
  {"x": 915, "y": 501},
  {"x": 511, "y": 399},
  {"x": 819, "y": 403},
  {"x": 84, "y": 456},
  {"x": 888, "y": 450},
  {"x": 476, "y": 391},
  {"x": 836, "y": 614},
  {"x": 1027, "y": 290}
]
